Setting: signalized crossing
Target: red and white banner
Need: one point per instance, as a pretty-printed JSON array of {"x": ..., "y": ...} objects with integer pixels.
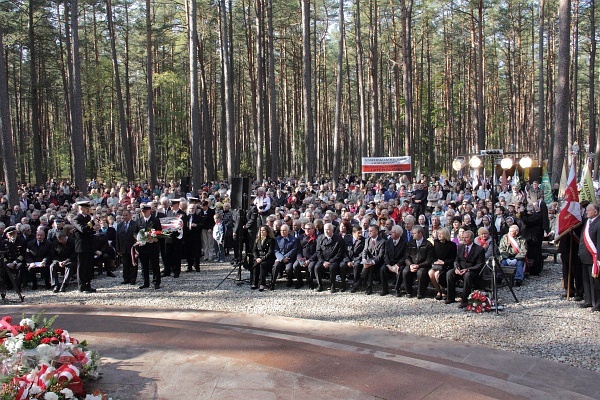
[
  {"x": 570, "y": 213},
  {"x": 385, "y": 164}
]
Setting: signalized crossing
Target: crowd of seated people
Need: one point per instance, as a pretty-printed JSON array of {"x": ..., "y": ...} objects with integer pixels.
[
  {"x": 377, "y": 233},
  {"x": 391, "y": 240}
]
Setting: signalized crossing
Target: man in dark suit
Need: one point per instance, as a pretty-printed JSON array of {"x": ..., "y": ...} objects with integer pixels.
[
  {"x": 206, "y": 221},
  {"x": 373, "y": 257},
  {"x": 353, "y": 257},
  {"x": 419, "y": 199},
  {"x": 533, "y": 220},
  {"x": 14, "y": 256},
  {"x": 395, "y": 254},
  {"x": 330, "y": 253},
  {"x": 64, "y": 259},
  {"x": 173, "y": 244},
  {"x": 470, "y": 258},
  {"x": 419, "y": 257},
  {"x": 297, "y": 230},
  {"x": 37, "y": 257},
  {"x": 249, "y": 230},
  {"x": 125, "y": 241},
  {"x": 150, "y": 251},
  {"x": 588, "y": 254},
  {"x": 307, "y": 256},
  {"x": 568, "y": 247},
  {"x": 84, "y": 231},
  {"x": 286, "y": 249},
  {"x": 191, "y": 236},
  {"x": 24, "y": 235}
]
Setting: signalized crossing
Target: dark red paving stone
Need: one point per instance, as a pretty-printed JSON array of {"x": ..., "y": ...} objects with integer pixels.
[{"x": 168, "y": 354}]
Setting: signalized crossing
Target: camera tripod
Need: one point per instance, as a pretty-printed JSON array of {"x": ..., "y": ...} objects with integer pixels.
[
  {"x": 492, "y": 265},
  {"x": 242, "y": 257}
]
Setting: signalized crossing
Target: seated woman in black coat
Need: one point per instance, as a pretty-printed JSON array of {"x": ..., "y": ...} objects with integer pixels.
[
  {"x": 445, "y": 254},
  {"x": 264, "y": 257}
]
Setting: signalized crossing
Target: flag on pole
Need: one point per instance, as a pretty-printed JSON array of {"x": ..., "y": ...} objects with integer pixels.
[
  {"x": 583, "y": 172},
  {"x": 516, "y": 180},
  {"x": 587, "y": 187},
  {"x": 483, "y": 180},
  {"x": 443, "y": 177},
  {"x": 563, "y": 182},
  {"x": 475, "y": 175},
  {"x": 546, "y": 186},
  {"x": 570, "y": 213}
]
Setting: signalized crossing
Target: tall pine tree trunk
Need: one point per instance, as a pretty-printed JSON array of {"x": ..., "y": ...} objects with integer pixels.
[
  {"x": 407, "y": 70},
  {"x": 260, "y": 98},
  {"x": 374, "y": 79},
  {"x": 6, "y": 140},
  {"x": 309, "y": 129},
  {"x": 337, "y": 131},
  {"x": 150, "y": 98},
  {"x": 594, "y": 139},
  {"x": 132, "y": 142},
  {"x": 273, "y": 127},
  {"x": 123, "y": 133},
  {"x": 77, "y": 141},
  {"x": 362, "y": 106},
  {"x": 35, "y": 100},
  {"x": 195, "y": 131},
  {"x": 541, "y": 98},
  {"x": 229, "y": 100},
  {"x": 479, "y": 95},
  {"x": 206, "y": 159},
  {"x": 561, "y": 125}
]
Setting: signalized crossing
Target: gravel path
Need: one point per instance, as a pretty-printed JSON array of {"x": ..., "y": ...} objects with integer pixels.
[{"x": 543, "y": 324}]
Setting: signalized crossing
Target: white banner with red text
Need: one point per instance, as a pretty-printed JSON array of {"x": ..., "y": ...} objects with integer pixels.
[{"x": 379, "y": 165}]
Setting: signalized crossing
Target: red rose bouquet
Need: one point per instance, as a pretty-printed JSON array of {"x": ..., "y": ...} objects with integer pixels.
[
  {"x": 41, "y": 362},
  {"x": 479, "y": 302}
]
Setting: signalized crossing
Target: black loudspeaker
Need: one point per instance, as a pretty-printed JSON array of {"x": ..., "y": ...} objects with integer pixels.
[
  {"x": 185, "y": 184},
  {"x": 240, "y": 193},
  {"x": 535, "y": 174}
]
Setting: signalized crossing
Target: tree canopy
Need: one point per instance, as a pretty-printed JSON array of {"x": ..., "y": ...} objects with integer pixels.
[{"x": 429, "y": 79}]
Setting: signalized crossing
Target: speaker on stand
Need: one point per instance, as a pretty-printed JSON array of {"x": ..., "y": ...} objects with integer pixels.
[
  {"x": 240, "y": 193},
  {"x": 240, "y": 201},
  {"x": 535, "y": 174},
  {"x": 185, "y": 184}
]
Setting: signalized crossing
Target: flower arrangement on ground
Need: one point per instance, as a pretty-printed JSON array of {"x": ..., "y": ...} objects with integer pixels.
[
  {"x": 41, "y": 362},
  {"x": 479, "y": 302}
]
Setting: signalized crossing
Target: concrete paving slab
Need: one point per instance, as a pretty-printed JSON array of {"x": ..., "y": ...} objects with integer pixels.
[{"x": 172, "y": 354}]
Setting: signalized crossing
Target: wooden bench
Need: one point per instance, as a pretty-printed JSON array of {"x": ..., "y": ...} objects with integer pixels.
[{"x": 549, "y": 249}]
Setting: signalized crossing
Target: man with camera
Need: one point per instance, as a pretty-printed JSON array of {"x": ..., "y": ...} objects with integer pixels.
[{"x": 262, "y": 203}]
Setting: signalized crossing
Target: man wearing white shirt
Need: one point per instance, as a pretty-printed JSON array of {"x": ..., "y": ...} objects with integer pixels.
[{"x": 262, "y": 203}]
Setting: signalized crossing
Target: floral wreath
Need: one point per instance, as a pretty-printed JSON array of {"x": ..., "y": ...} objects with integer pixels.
[
  {"x": 39, "y": 362},
  {"x": 479, "y": 302}
]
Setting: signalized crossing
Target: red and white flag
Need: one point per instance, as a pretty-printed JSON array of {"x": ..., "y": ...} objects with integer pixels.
[{"x": 570, "y": 213}]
